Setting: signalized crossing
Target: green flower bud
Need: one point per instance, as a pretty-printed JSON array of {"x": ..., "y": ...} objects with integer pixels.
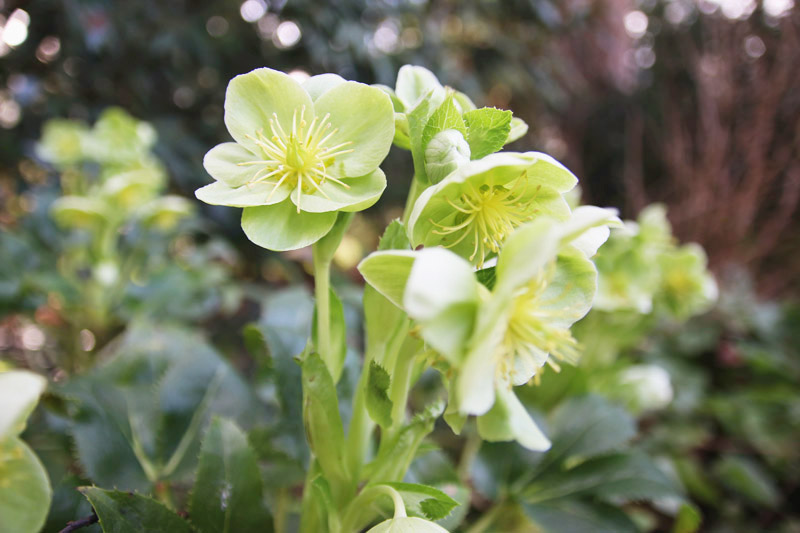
[{"x": 445, "y": 152}]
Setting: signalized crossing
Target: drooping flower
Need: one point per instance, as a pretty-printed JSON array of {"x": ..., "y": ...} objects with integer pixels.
[
  {"x": 496, "y": 335},
  {"x": 474, "y": 209},
  {"x": 301, "y": 154}
]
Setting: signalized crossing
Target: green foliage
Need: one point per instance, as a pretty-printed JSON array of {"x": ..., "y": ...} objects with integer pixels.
[
  {"x": 227, "y": 494},
  {"x": 424, "y": 501},
  {"x": 128, "y": 512},
  {"x": 487, "y": 130},
  {"x": 473, "y": 294},
  {"x": 138, "y": 419},
  {"x": 379, "y": 404}
]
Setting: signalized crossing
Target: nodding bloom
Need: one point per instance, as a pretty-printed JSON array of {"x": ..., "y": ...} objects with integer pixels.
[
  {"x": 301, "y": 154},
  {"x": 497, "y": 335},
  {"x": 477, "y": 206}
]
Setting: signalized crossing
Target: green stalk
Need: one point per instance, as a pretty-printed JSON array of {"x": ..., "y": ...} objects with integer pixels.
[
  {"x": 401, "y": 384},
  {"x": 361, "y": 425},
  {"x": 322, "y": 283},
  {"x": 413, "y": 194}
]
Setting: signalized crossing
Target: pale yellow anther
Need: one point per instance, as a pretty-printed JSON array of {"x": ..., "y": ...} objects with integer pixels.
[{"x": 298, "y": 160}]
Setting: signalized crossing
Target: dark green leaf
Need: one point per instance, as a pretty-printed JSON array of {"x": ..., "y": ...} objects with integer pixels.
[
  {"x": 570, "y": 516},
  {"x": 227, "y": 493},
  {"x": 627, "y": 476},
  {"x": 128, "y": 512},
  {"x": 139, "y": 417},
  {"x": 748, "y": 479},
  {"x": 588, "y": 426},
  {"x": 487, "y": 277}
]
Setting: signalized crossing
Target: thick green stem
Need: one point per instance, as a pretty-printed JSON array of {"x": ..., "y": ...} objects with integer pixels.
[
  {"x": 361, "y": 425},
  {"x": 281, "y": 510},
  {"x": 401, "y": 383},
  {"x": 322, "y": 282},
  {"x": 413, "y": 194}
]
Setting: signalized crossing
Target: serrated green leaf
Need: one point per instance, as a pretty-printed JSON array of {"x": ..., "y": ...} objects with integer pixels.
[
  {"x": 379, "y": 404},
  {"x": 128, "y": 512},
  {"x": 434, "y": 468},
  {"x": 446, "y": 117},
  {"x": 424, "y": 501},
  {"x": 570, "y": 516},
  {"x": 394, "y": 237},
  {"x": 487, "y": 130},
  {"x": 227, "y": 493},
  {"x": 25, "y": 491}
]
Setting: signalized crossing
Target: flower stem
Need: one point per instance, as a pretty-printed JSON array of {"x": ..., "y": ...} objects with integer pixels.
[
  {"x": 322, "y": 281},
  {"x": 401, "y": 383},
  {"x": 413, "y": 194}
]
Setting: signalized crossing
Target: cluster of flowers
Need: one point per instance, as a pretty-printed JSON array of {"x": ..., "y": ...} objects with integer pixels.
[
  {"x": 108, "y": 174},
  {"x": 490, "y": 262}
]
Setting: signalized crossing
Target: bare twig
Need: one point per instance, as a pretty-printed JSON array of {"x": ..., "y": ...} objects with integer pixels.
[{"x": 77, "y": 524}]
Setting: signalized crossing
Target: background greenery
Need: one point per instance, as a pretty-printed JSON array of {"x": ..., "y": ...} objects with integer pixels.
[{"x": 693, "y": 104}]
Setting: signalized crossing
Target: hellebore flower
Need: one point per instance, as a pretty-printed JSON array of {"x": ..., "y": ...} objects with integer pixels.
[
  {"x": 499, "y": 337},
  {"x": 301, "y": 154},
  {"x": 475, "y": 208}
]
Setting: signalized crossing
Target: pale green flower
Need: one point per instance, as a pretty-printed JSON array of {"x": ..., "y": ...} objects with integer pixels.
[
  {"x": 301, "y": 154},
  {"x": 642, "y": 268},
  {"x": 479, "y": 204},
  {"x": 496, "y": 338},
  {"x": 62, "y": 142},
  {"x": 645, "y": 387},
  {"x": 687, "y": 287}
]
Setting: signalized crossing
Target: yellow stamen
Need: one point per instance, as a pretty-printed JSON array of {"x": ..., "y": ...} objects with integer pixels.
[
  {"x": 298, "y": 159},
  {"x": 487, "y": 215}
]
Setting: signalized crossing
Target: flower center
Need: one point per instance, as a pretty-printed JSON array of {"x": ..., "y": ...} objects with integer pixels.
[
  {"x": 487, "y": 215},
  {"x": 298, "y": 159},
  {"x": 533, "y": 331}
]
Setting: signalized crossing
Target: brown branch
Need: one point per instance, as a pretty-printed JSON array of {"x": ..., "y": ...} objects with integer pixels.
[{"x": 83, "y": 522}]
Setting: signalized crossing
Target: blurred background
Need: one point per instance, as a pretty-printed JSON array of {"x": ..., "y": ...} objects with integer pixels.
[{"x": 694, "y": 104}]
